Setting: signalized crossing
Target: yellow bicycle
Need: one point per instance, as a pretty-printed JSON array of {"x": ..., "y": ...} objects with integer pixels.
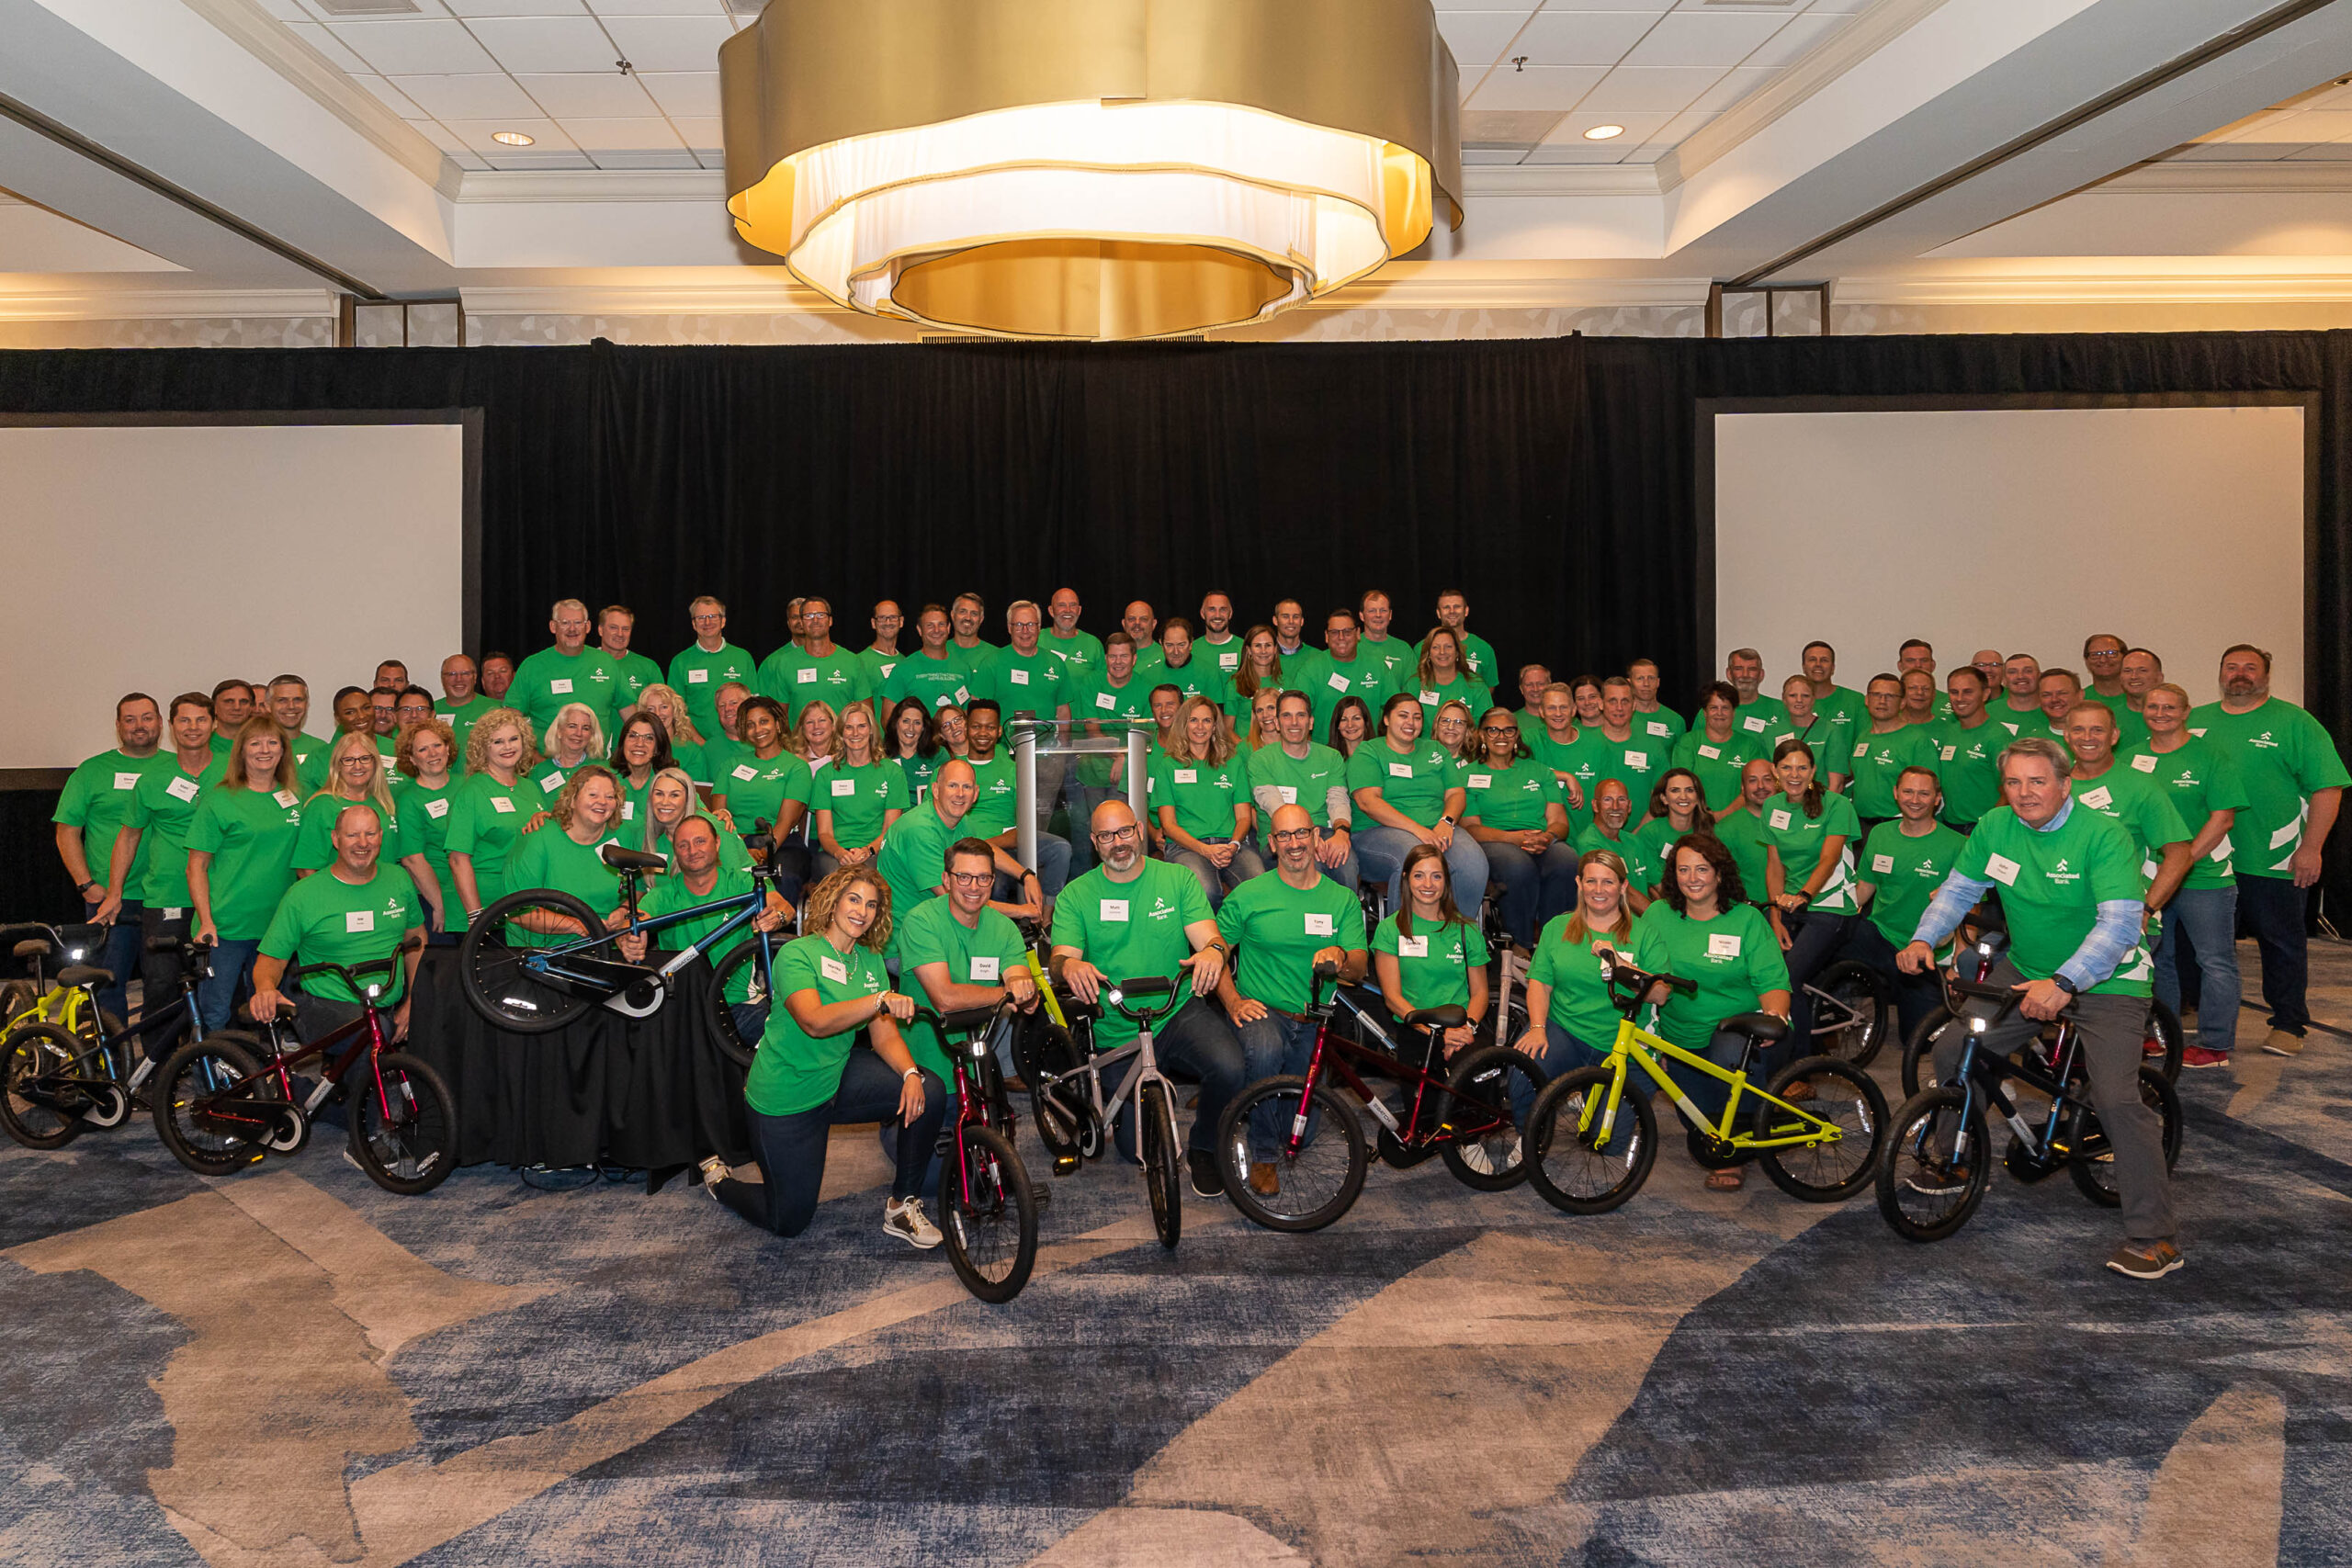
[
  {"x": 1589, "y": 1154},
  {"x": 42, "y": 995}
]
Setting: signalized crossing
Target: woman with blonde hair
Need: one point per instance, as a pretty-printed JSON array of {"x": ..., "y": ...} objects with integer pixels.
[
  {"x": 566, "y": 855},
  {"x": 575, "y": 736},
  {"x": 816, "y": 734},
  {"x": 858, "y": 795},
  {"x": 670, "y": 800},
  {"x": 1571, "y": 1020},
  {"x": 1444, "y": 678},
  {"x": 1200, "y": 794},
  {"x": 686, "y": 740},
  {"x": 488, "y": 812},
  {"x": 241, "y": 856},
  {"x": 356, "y": 774},
  {"x": 1260, "y": 732}
]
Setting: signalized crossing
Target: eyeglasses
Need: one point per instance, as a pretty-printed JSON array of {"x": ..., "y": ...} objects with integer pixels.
[
  {"x": 1115, "y": 836},
  {"x": 1292, "y": 836},
  {"x": 971, "y": 878},
  {"x": 708, "y": 620},
  {"x": 1500, "y": 729}
]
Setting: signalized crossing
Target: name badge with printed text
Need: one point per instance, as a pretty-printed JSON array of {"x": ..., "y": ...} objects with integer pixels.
[
  {"x": 1430, "y": 697},
  {"x": 833, "y": 969},
  {"x": 698, "y": 677},
  {"x": 560, "y": 688},
  {"x": 628, "y": 811},
  {"x": 2001, "y": 869},
  {"x": 551, "y": 781},
  {"x": 985, "y": 966},
  {"x": 181, "y": 788},
  {"x": 1711, "y": 754},
  {"x": 1882, "y": 863},
  {"x": 436, "y": 810},
  {"x": 1400, "y": 770},
  {"x": 1755, "y": 724},
  {"x": 1339, "y": 682},
  {"x": 1102, "y": 700},
  {"x": 844, "y": 786},
  {"x": 1722, "y": 944},
  {"x": 1318, "y": 925},
  {"x": 2099, "y": 799},
  {"x": 1188, "y": 775},
  {"x": 502, "y": 806},
  {"x": 1412, "y": 947},
  {"x": 283, "y": 797},
  {"x": 1482, "y": 781},
  {"x": 1289, "y": 794},
  {"x": 2144, "y": 762},
  {"x": 1019, "y": 677},
  {"x": 125, "y": 780},
  {"x": 745, "y": 771},
  {"x": 1658, "y": 728},
  {"x": 359, "y": 919},
  {"x": 1639, "y": 759},
  {"x": 1779, "y": 821},
  {"x": 1115, "y": 910}
]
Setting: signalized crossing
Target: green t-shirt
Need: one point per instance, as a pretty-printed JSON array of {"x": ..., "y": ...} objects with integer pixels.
[
  {"x": 1839, "y": 720},
  {"x": 1638, "y": 762},
  {"x": 1904, "y": 873},
  {"x": 915, "y": 857},
  {"x": 794, "y": 1070},
  {"x": 551, "y": 858},
  {"x": 162, "y": 804},
  {"x": 310, "y": 756},
  {"x": 1733, "y": 959},
  {"x": 314, "y": 844},
  {"x": 1763, "y": 723},
  {"x": 697, "y": 676},
  {"x": 1968, "y": 766},
  {"x": 1717, "y": 764},
  {"x": 485, "y": 818},
  {"x": 1742, "y": 833},
  {"x": 859, "y": 798},
  {"x": 1639, "y": 855},
  {"x": 1798, "y": 839},
  {"x": 425, "y": 830},
  {"x": 1517, "y": 800},
  {"x": 757, "y": 787},
  {"x": 1393, "y": 651},
  {"x": 1875, "y": 762},
  {"x": 1204, "y": 794},
  {"x": 632, "y": 673},
  {"x": 460, "y": 716},
  {"x": 1477, "y": 656},
  {"x": 1471, "y": 692},
  {"x": 973, "y": 658},
  {"x": 2200, "y": 780},
  {"x": 1658, "y": 837},
  {"x": 2051, "y": 885},
  {"x": 1433, "y": 965},
  {"x": 670, "y": 895},
  {"x": 250, "y": 835},
  {"x": 324, "y": 919},
  {"x": 919, "y": 771},
  {"x": 1113, "y": 710},
  {"x": 1306, "y": 782},
  {"x": 1023, "y": 683},
  {"x": 796, "y": 678},
  {"x": 2130, "y": 729},
  {"x": 1277, "y": 930},
  {"x": 936, "y": 682},
  {"x": 1226, "y": 655},
  {"x": 1414, "y": 782},
  {"x": 1200, "y": 677},
  {"x": 1327, "y": 682},
  {"x": 1081, "y": 653},
  {"x": 982, "y": 956},
  {"x": 2144, "y": 809},
  {"x": 547, "y": 681},
  {"x": 999, "y": 802},
  {"x": 2282, "y": 755},
  {"x": 97, "y": 800},
  {"x": 1132, "y": 931},
  {"x": 1581, "y": 1001},
  {"x": 878, "y": 666},
  {"x": 1662, "y": 724}
]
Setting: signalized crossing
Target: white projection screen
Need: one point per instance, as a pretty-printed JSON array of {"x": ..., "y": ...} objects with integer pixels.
[
  {"x": 2178, "y": 524},
  {"x": 167, "y": 556}
]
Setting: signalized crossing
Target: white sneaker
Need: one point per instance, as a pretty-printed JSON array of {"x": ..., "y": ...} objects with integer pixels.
[
  {"x": 714, "y": 1171},
  {"x": 1481, "y": 1160},
  {"x": 910, "y": 1224}
]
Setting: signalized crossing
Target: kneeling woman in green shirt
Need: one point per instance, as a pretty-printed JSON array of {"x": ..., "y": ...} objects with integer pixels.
[{"x": 806, "y": 1080}]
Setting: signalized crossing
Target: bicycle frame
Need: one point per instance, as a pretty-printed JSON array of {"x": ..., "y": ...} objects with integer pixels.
[
  {"x": 1423, "y": 1080},
  {"x": 1986, "y": 1072},
  {"x": 365, "y": 1033},
  {"x": 611, "y": 978},
  {"x": 980, "y": 1092},
  {"x": 1635, "y": 1044}
]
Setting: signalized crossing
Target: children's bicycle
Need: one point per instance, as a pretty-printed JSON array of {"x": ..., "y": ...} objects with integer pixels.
[
  {"x": 1972, "y": 961},
  {"x": 222, "y": 1106},
  {"x": 66, "y": 1067},
  {"x": 988, "y": 1209},
  {"x": 1072, "y": 1113},
  {"x": 1293, "y": 1149},
  {"x": 1588, "y": 1155}
]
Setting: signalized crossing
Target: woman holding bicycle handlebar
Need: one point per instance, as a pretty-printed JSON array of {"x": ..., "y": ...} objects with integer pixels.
[
  {"x": 1572, "y": 1021},
  {"x": 1428, "y": 954},
  {"x": 1808, "y": 879}
]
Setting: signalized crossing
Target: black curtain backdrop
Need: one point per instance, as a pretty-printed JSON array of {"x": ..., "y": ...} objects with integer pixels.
[{"x": 1552, "y": 480}]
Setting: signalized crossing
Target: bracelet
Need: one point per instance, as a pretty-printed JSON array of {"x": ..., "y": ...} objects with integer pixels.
[{"x": 911, "y": 1073}]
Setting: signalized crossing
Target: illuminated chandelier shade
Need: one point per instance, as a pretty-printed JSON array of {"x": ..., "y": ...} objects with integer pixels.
[{"x": 1100, "y": 170}]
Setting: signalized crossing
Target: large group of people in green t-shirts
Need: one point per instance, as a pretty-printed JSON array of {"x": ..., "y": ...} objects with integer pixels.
[{"x": 1299, "y": 773}]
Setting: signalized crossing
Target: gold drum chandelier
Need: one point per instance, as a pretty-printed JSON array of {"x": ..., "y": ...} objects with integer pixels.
[{"x": 1088, "y": 169}]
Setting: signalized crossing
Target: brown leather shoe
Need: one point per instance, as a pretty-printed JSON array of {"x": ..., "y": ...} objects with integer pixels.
[
  {"x": 1264, "y": 1179},
  {"x": 2278, "y": 1042},
  {"x": 1797, "y": 1092}
]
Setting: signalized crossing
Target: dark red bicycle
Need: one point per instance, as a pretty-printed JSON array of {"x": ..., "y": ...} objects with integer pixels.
[{"x": 1294, "y": 1149}]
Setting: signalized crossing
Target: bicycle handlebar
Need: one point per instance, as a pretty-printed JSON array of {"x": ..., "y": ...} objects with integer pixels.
[
  {"x": 2006, "y": 996},
  {"x": 1623, "y": 972},
  {"x": 1118, "y": 991},
  {"x": 349, "y": 974}
]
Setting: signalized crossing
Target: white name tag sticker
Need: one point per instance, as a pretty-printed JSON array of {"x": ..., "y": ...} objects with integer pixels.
[
  {"x": 1882, "y": 863},
  {"x": 1638, "y": 760},
  {"x": 359, "y": 919},
  {"x": 1115, "y": 910},
  {"x": 1862, "y": 748},
  {"x": 844, "y": 786},
  {"x": 1947, "y": 752},
  {"x": 805, "y": 677},
  {"x": 1430, "y": 697},
  {"x": 174, "y": 914},
  {"x": 1339, "y": 682},
  {"x": 1755, "y": 724},
  {"x": 1722, "y": 944},
  {"x": 1102, "y": 700},
  {"x": 181, "y": 788},
  {"x": 1657, "y": 728},
  {"x": 2001, "y": 869},
  {"x": 1482, "y": 781},
  {"x": 628, "y": 811},
  {"x": 2099, "y": 799},
  {"x": 436, "y": 810},
  {"x": 1400, "y": 770},
  {"x": 502, "y": 806},
  {"x": 1289, "y": 794},
  {"x": 745, "y": 771},
  {"x": 985, "y": 967},
  {"x": 1228, "y": 661},
  {"x": 1779, "y": 821},
  {"x": 283, "y": 797},
  {"x": 551, "y": 780},
  {"x": 698, "y": 677},
  {"x": 1713, "y": 753},
  {"x": 2144, "y": 762},
  {"x": 833, "y": 969},
  {"x": 1019, "y": 677},
  {"x": 1188, "y": 775},
  {"x": 962, "y": 695},
  {"x": 1412, "y": 947},
  {"x": 125, "y": 780},
  {"x": 1318, "y": 925},
  {"x": 560, "y": 688}
]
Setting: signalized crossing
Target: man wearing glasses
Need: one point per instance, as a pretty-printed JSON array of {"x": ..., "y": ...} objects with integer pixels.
[
  {"x": 888, "y": 622},
  {"x": 707, "y": 665}
]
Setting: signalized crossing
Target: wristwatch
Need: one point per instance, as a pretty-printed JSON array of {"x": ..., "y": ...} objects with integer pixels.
[
  {"x": 2065, "y": 984},
  {"x": 84, "y": 888},
  {"x": 1447, "y": 820}
]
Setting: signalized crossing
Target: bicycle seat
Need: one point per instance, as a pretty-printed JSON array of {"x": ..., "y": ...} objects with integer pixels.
[
  {"x": 963, "y": 1020},
  {"x": 621, "y": 859},
  {"x": 1447, "y": 1017},
  {"x": 1760, "y": 1027},
  {"x": 75, "y": 975},
  {"x": 33, "y": 947}
]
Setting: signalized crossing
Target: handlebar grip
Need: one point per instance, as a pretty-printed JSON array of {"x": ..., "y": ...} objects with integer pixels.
[
  {"x": 1327, "y": 970},
  {"x": 1149, "y": 985}
]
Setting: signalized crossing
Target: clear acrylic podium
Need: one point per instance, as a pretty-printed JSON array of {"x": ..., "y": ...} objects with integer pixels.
[{"x": 1058, "y": 766}]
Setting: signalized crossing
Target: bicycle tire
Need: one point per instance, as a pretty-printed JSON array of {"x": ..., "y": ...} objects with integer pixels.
[
  {"x": 719, "y": 1013},
  {"x": 1482, "y": 1154},
  {"x": 490, "y": 972},
  {"x": 1562, "y": 1160},
  {"x": 1293, "y": 1205},
  {"x": 1062, "y": 1114},
  {"x": 1162, "y": 1181},
  {"x": 998, "y": 1192},
  {"x": 203, "y": 1144},
  {"x": 1038, "y": 1040},
  {"x": 30, "y": 1051},
  {"x": 2163, "y": 1029},
  {"x": 1919, "y": 1051},
  {"x": 1825, "y": 1173},
  {"x": 405, "y": 1149},
  {"x": 16, "y": 999},
  {"x": 1863, "y": 991},
  {"x": 2091, "y": 1160},
  {"x": 1906, "y": 1158}
]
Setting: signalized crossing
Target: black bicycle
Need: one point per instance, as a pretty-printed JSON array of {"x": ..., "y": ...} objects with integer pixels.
[
  {"x": 1972, "y": 959},
  {"x": 66, "y": 1066}
]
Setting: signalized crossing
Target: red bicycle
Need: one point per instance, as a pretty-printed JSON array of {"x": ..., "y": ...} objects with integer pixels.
[
  {"x": 1293, "y": 1149},
  {"x": 988, "y": 1207}
]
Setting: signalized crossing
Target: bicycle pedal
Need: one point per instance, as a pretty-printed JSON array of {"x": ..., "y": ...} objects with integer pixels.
[{"x": 1065, "y": 1165}]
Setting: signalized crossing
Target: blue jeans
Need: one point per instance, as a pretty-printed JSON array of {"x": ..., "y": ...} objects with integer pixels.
[
  {"x": 1215, "y": 881},
  {"x": 1708, "y": 1093},
  {"x": 792, "y": 1148},
  {"x": 1052, "y": 869},
  {"x": 1535, "y": 887},
  {"x": 119, "y": 956},
  {"x": 1200, "y": 1040},
  {"x": 233, "y": 966},
  {"x": 1815, "y": 938},
  {"x": 2204, "y": 921},
  {"x": 1563, "y": 1053},
  {"x": 1381, "y": 850},
  {"x": 2274, "y": 910},
  {"x": 1271, "y": 1046}
]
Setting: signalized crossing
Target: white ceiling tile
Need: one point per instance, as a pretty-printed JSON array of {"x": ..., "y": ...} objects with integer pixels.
[
  {"x": 691, "y": 93},
  {"x": 1537, "y": 87},
  {"x": 604, "y": 96},
  {"x": 286, "y": 10},
  {"x": 1477, "y": 38},
  {"x": 391, "y": 98},
  {"x": 1583, "y": 38},
  {"x": 1493, "y": 155},
  {"x": 1578, "y": 152},
  {"x": 486, "y": 95},
  {"x": 1845, "y": 6},
  {"x": 546, "y": 43},
  {"x": 440, "y": 135},
  {"x": 517, "y": 7},
  {"x": 468, "y": 160},
  {"x": 675, "y": 158},
  {"x": 682, "y": 8},
  {"x": 1638, "y": 128},
  {"x": 547, "y": 136},
  {"x": 1790, "y": 43},
  {"x": 1734, "y": 85},
  {"x": 1638, "y": 87},
  {"x": 651, "y": 134},
  {"x": 413, "y": 47},
  {"x": 1693, "y": 38},
  {"x": 702, "y": 134},
  {"x": 532, "y": 158},
  {"x": 672, "y": 44},
  {"x": 316, "y": 35},
  {"x": 425, "y": 8},
  {"x": 1680, "y": 127}
]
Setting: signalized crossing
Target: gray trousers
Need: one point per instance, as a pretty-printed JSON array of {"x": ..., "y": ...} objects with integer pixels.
[{"x": 2112, "y": 1030}]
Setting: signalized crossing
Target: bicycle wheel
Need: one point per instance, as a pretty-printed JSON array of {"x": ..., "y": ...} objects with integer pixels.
[
  {"x": 1485, "y": 1149},
  {"x": 1037, "y": 1042},
  {"x": 1583, "y": 1163},
  {"x": 1853, "y": 1013},
  {"x": 2091, "y": 1159},
  {"x": 1844, "y": 1096},
  {"x": 492, "y": 963},
  {"x": 991, "y": 1215},
  {"x": 210, "y": 1142},
  {"x": 1924, "y": 1197},
  {"x": 37, "y": 1116},
  {"x": 1919, "y": 1050},
  {"x": 1311, "y": 1188},
  {"x": 748, "y": 966},
  {"x": 1064, "y": 1115},
  {"x": 406, "y": 1137},
  {"x": 2164, "y": 1031},
  {"x": 1161, "y": 1179}
]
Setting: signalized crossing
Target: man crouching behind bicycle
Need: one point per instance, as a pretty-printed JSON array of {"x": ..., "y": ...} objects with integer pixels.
[
  {"x": 358, "y": 912},
  {"x": 2072, "y": 890}
]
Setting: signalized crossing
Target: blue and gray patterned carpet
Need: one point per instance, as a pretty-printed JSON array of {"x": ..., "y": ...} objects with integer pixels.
[{"x": 291, "y": 1367}]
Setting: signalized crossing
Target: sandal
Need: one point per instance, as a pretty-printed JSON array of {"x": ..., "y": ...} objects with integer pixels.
[{"x": 1724, "y": 1181}]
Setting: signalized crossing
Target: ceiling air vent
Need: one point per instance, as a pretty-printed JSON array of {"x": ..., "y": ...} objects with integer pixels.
[{"x": 369, "y": 8}]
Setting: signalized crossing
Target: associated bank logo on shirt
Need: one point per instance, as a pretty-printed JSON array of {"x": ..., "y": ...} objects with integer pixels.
[
  {"x": 2061, "y": 875},
  {"x": 2264, "y": 741},
  {"x": 1160, "y": 909}
]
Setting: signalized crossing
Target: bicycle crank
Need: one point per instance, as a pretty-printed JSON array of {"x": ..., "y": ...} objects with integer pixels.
[{"x": 642, "y": 1000}]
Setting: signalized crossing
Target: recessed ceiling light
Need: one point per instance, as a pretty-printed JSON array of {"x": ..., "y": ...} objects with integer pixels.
[
  {"x": 1604, "y": 133},
  {"x": 514, "y": 138}
]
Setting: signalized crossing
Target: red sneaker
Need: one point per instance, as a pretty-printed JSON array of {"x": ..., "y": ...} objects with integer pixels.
[{"x": 2197, "y": 1056}]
